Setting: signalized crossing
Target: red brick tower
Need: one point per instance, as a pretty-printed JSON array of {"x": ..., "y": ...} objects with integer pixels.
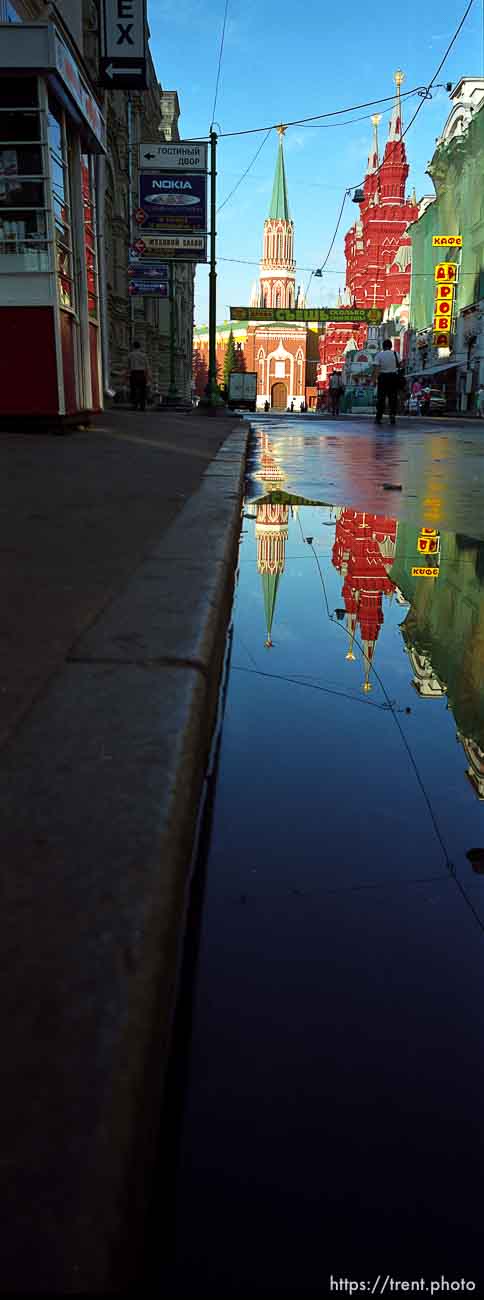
[{"x": 378, "y": 248}]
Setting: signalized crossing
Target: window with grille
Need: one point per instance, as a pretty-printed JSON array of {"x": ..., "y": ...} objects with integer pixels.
[
  {"x": 89, "y": 213},
  {"x": 24, "y": 244},
  {"x": 62, "y": 212}
]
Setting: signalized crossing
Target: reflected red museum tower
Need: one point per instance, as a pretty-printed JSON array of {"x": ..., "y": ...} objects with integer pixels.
[{"x": 363, "y": 552}]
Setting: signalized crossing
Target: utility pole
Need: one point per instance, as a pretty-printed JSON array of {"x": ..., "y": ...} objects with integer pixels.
[
  {"x": 173, "y": 394},
  {"x": 213, "y": 396}
]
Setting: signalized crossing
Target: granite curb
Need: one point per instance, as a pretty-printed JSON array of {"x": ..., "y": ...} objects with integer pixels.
[{"x": 95, "y": 899}]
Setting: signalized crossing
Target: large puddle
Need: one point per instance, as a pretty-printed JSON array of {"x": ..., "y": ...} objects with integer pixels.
[{"x": 333, "y": 1115}]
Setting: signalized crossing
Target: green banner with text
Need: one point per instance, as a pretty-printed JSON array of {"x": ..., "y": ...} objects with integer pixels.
[{"x": 369, "y": 315}]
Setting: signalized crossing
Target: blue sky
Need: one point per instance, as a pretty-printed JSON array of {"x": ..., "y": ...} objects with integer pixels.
[{"x": 286, "y": 60}]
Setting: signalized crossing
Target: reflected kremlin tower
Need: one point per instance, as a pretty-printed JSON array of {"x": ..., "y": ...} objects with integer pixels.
[{"x": 271, "y": 530}]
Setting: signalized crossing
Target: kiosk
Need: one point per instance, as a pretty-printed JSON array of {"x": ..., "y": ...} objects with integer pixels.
[{"x": 51, "y": 129}]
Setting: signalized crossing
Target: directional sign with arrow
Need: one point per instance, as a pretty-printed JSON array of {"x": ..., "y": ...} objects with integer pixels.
[
  {"x": 123, "y": 74},
  {"x": 123, "y": 62},
  {"x": 184, "y": 155}
]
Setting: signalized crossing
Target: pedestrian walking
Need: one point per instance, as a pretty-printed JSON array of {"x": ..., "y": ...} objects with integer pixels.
[
  {"x": 480, "y": 402},
  {"x": 138, "y": 376},
  {"x": 336, "y": 391},
  {"x": 388, "y": 378}
]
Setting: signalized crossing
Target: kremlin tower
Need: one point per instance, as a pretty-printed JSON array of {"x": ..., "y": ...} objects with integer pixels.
[
  {"x": 283, "y": 354},
  {"x": 277, "y": 268}
]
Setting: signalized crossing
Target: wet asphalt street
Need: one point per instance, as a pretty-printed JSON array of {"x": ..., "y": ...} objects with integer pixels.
[{"x": 331, "y": 1090}]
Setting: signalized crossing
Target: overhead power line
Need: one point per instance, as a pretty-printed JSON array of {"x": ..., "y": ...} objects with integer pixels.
[
  {"x": 246, "y": 173},
  {"x": 425, "y": 95},
  {"x": 221, "y": 50},
  {"x": 318, "y": 117},
  {"x": 425, "y": 90}
]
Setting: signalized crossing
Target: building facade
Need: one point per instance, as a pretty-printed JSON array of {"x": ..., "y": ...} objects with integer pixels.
[
  {"x": 283, "y": 355},
  {"x": 68, "y": 185},
  {"x": 378, "y": 247},
  {"x": 457, "y": 208}
]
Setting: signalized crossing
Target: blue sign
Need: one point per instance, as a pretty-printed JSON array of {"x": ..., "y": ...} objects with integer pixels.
[
  {"x": 172, "y": 202},
  {"x": 148, "y": 278}
]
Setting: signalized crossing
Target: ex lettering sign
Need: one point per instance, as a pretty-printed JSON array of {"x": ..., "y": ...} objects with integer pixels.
[{"x": 123, "y": 62}]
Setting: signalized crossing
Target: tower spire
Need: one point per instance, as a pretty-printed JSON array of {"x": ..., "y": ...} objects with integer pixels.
[
  {"x": 374, "y": 157},
  {"x": 395, "y": 129},
  {"x": 279, "y": 208},
  {"x": 277, "y": 270}
]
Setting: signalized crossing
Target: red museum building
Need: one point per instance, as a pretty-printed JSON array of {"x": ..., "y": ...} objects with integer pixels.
[{"x": 377, "y": 247}]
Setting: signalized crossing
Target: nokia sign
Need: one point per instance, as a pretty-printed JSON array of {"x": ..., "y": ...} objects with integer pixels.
[
  {"x": 172, "y": 203},
  {"x": 123, "y": 63}
]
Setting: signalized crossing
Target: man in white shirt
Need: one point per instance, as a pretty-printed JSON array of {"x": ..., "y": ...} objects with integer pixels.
[
  {"x": 387, "y": 365},
  {"x": 138, "y": 376}
]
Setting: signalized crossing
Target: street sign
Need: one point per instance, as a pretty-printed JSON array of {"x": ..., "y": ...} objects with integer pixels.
[
  {"x": 445, "y": 271},
  {"x": 148, "y": 279},
  {"x": 123, "y": 61},
  {"x": 369, "y": 315},
  {"x": 185, "y": 155},
  {"x": 421, "y": 572},
  {"x": 447, "y": 241},
  {"x": 173, "y": 202},
  {"x": 186, "y": 248}
]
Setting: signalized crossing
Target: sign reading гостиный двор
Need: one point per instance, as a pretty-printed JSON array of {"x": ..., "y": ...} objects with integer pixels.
[{"x": 369, "y": 315}]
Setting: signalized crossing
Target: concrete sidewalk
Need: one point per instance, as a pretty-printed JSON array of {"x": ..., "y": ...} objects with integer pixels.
[{"x": 118, "y": 548}]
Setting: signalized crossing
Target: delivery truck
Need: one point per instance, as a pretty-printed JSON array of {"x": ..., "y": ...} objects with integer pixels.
[{"x": 242, "y": 390}]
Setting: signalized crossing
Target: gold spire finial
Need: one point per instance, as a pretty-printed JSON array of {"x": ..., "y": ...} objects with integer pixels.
[
  {"x": 398, "y": 78},
  {"x": 281, "y": 130},
  {"x": 376, "y": 119}
]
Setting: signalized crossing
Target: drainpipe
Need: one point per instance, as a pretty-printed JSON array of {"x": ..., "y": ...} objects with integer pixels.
[
  {"x": 101, "y": 262},
  {"x": 130, "y": 201}
]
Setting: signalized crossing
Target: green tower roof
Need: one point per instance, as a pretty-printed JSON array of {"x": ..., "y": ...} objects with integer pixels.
[
  {"x": 279, "y": 209},
  {"x": 270, "y": 583}
]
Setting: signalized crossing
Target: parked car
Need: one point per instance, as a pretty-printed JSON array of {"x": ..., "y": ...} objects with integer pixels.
[{"x": 432, "y": 399}]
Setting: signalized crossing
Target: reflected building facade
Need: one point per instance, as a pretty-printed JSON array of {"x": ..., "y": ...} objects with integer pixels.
[{"x": 363, "y": 553}]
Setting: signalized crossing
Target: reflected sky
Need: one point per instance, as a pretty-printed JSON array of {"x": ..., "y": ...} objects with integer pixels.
[{"x": 332, "y": 1122}]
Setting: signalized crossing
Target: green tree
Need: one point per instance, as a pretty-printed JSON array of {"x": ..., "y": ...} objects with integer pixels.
[{"x": 230, "y": 358}]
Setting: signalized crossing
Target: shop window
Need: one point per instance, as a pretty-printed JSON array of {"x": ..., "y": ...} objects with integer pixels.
[
  {"x": 59, "y": 159},
  {"x": 89, "y": 212},
  {"x": 23, "y": 217},
  {"x": 9, "y": 12}
]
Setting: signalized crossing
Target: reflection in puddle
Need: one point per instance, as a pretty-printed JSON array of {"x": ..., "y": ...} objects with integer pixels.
[
  {"x": 436, "y": 577},
  {"x": 332, "y": 1122}
]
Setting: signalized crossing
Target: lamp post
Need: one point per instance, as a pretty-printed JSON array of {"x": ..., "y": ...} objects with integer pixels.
[
  {"x": 173, "y": 395},
  {"x": 212, "y": 393}
]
